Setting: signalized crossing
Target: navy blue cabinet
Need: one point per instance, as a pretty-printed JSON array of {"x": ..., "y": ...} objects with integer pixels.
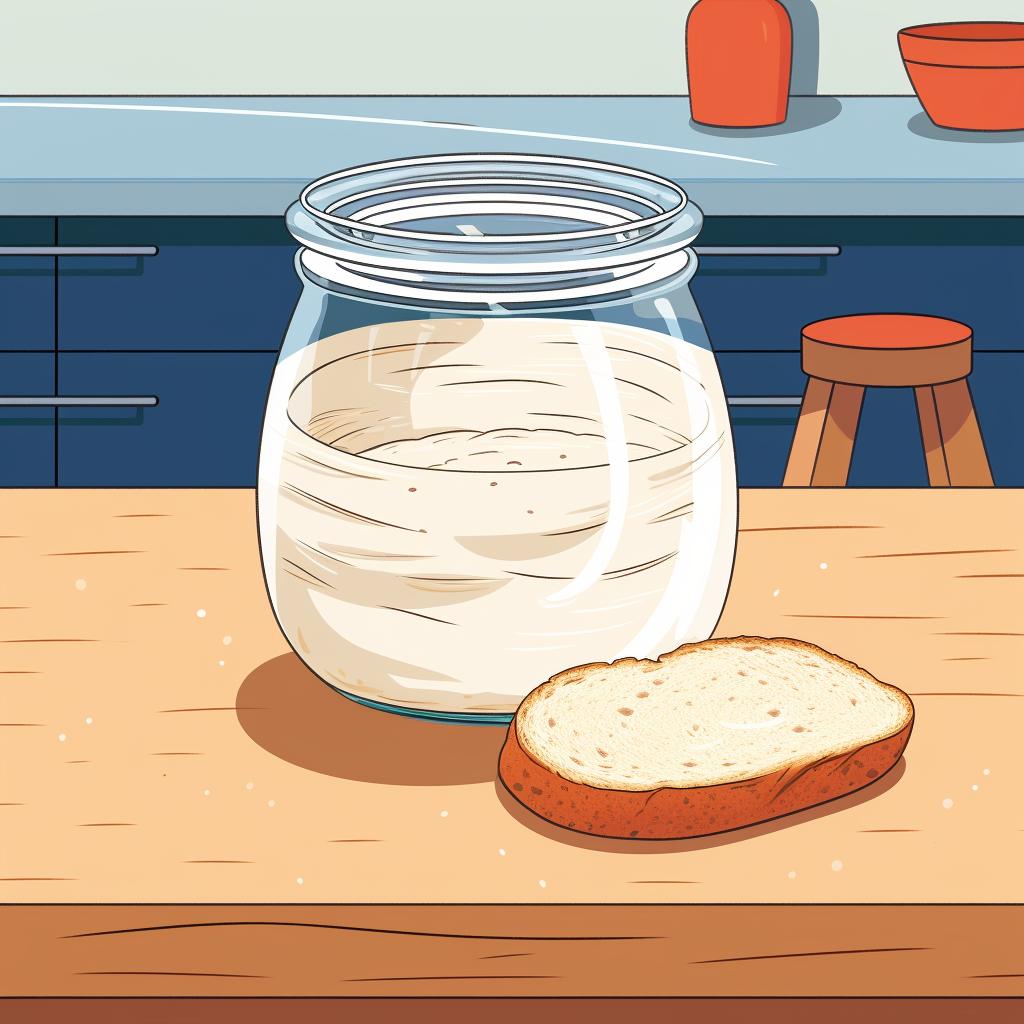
[
  {"x": 214, "y": 283},
  {"x": 26, "y": 433},
  {"x": 26, "y": 285},
  {"x": 965, "y": 269},
  {"x": 194, "y": 315},
  {"x": 204, "y": 430}
]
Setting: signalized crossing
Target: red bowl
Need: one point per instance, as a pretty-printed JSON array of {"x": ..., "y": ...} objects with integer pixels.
[{"x": 968, "y": 74}]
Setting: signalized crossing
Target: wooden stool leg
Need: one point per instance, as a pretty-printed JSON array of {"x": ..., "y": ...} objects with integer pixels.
[
  {"x": 931, "y": 438},
  {"x": 836, "y": 449},
  {"x": 823, "y": 442},
  {"x": 809, "y": 428},
  {"x": 962, "y": 443}
]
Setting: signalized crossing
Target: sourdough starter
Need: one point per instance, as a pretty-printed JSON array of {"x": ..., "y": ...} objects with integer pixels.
[{"x": 453, "y": 510}]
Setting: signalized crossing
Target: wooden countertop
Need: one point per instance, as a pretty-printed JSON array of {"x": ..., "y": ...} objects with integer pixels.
[{"x": 162, "y": 745}]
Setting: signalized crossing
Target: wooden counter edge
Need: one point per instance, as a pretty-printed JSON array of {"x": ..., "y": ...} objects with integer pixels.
[
  {"x": 471, "y": 1010},
  {"x": 509, "y": 952}
]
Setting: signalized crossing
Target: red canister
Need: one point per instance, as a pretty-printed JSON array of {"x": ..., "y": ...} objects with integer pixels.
[{"x": 738, "y": 59}]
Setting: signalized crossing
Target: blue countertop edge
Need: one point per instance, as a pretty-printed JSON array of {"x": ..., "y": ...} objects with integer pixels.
[{"x": 233, "y": 156}]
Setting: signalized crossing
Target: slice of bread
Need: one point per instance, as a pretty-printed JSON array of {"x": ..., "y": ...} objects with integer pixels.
[{"x": 711, "y": 737}]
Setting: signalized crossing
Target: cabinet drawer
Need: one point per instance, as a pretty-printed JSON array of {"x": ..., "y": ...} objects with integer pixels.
[
  {"x": 204, "y": 431},
  {"x": 26, "y": 284},
  {"x": 968, "y": 270},
  {"x": 214, "y": 283},
  {"x": 26, "y": 434}
]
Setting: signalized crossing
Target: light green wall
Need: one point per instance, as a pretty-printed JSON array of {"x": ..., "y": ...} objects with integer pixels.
[{"x": 418, "y": 46}]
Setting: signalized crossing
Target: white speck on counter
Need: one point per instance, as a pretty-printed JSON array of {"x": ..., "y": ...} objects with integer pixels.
[
  {"x": 271, "y": 803},
  {"x": 837, "y": 865},
  {"x": 206, "y": 792},
  {"x": 823, "y": 565},
  {"x": 974, "y": 788},
  {"x": 80, "y": 584},
  {"x": 542, "y": 883},
  {"x": 947, "y": 803},
  {"x": 200, "y": 613},
  {"x": 444, "y": 814},
  {"x": 88, "y": 719},
  {"x": 776, "y": 592},
  {"x": 985, "y": 771},
  {"x": 791, "y": 875},
  {"x": 226, "y": 641},
  {"x": 61, "y": 737},
  {"x": 501, "y": 851},
  {"x": 300, "y": 880}
]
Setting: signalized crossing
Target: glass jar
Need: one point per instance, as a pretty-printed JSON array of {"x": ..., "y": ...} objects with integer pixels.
[{"x": 496, "y": 444}]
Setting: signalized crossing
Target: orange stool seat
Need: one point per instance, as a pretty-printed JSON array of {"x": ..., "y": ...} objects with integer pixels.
[{"x": 843, "y": 355}]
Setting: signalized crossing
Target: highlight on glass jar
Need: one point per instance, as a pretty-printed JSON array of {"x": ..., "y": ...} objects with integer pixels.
[{"x": 496, "y": 443}]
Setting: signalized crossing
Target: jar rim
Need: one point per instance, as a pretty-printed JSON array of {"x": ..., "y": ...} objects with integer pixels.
[{"x": 324, "y": 190}]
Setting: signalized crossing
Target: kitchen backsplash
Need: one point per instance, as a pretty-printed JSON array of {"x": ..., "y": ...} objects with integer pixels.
[{"x": 121, "y": 47}]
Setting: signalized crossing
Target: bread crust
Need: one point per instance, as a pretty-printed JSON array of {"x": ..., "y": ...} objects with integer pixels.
[{"x": 688, "y": 812}]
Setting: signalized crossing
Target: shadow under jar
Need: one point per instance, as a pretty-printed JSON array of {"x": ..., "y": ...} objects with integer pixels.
[{"x": 496, "y": 443}]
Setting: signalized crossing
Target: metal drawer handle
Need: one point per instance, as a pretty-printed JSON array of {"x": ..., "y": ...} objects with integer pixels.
[
  {"x": 79, "y": 401},
  {"x": 78, "y": 250},
  {"x": 765, "y": 400},
  {"x": 767, "y": 250}
]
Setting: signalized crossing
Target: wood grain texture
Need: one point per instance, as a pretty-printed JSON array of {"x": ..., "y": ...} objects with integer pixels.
[
  {"x": 512, "y": 951},
  {"x": 924, "y": 589}
]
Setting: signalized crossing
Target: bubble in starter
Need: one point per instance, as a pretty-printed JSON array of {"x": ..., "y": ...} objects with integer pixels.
[
  {"x": 249, "y": 785},
  {"x": 776, "y": 592},
  {"x": 974, "y": 788},
  {"x": 444, "y": 814},
  {"x": 271, "y": 803},
  {"x": 947, "y": 803},
  {"x": 791, "y": 875},
  {"x": 221, "y": 662},
  {"x": 837, "y": 865},
  {"x": 206, "y": 792},
  {"x": 501, "y": 851},
  {"x": 542, "y": 884},
  {"x": 88, "y": 719},
  {"x": 61, "y": 737},
  {"x": 985, "y": 771},
  {"x": 80, "y": 584},
  {"x": 300, "y": 880},
  {"x": 226, "y": 641},
  {"x": 823, "y": 565},
  {"x": 200, "y": 613}
]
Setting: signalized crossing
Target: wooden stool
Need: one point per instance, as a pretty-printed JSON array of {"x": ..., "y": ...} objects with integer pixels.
[{"x": 845, "y": 354}]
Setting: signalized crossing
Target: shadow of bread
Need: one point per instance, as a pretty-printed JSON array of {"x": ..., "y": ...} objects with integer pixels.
[
  {"x": 585, "y": 841},
  {"x": 290, "y": 712}
]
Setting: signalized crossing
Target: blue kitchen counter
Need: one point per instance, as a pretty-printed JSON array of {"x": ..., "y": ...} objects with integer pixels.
[{"x": 231, "y": 156}]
